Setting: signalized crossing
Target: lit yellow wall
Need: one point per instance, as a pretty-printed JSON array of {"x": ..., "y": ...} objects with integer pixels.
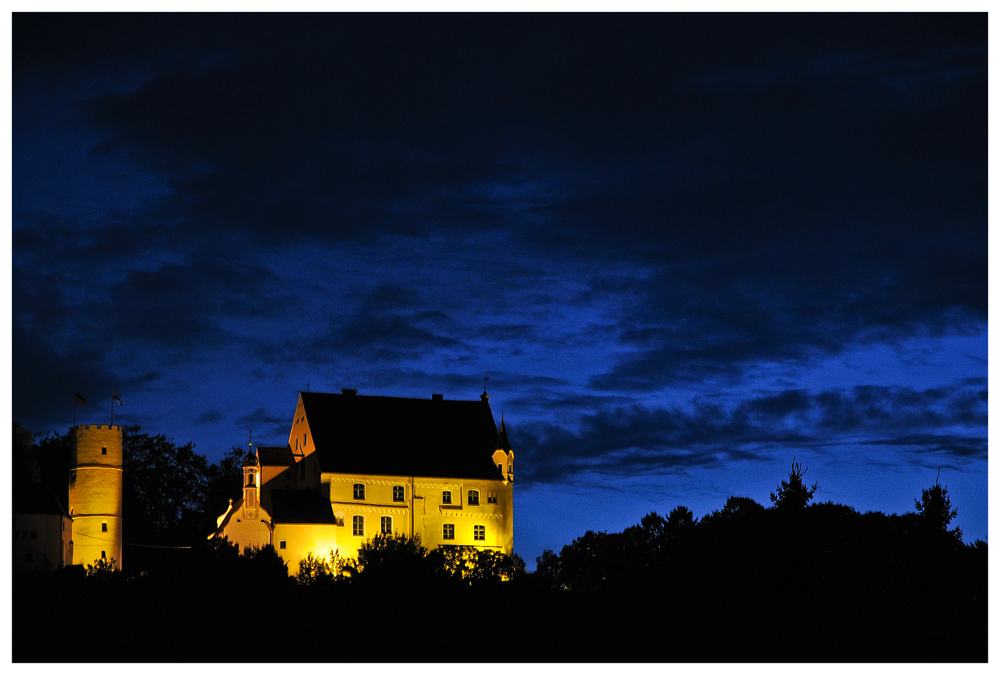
[
  {"x": 95, "y": 493},
  {"x": 246, "y": 532},
  {"x": 303, "y": 538},
  {"x": 300, "y": 440},
  {"x": 430, "y": 513},
  {"x": 497, "y": 518}
]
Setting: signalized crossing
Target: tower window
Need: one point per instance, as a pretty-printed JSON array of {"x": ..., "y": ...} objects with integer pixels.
[
  {"x": 104, "y": 526},
  {"x": 359, "y": 526},
  {"x": 448, "y": 531},
  {"x": 398, "y": 494},
  {"x": 281, "y": 544},
  {"x": 479, "y": 533},
  {"x": 473, "y": 497},
  {"x": 386, "y": 525},
  {"x": 104, "y": 555},
  {"x": 446, "y": 497},
  {"x": 359, "y": 490},
  {"x": 104, "y": 451}
]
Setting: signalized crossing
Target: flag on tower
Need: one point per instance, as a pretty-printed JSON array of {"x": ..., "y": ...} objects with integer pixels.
[
  {"x": 79, "y": 399},
  {"x": 114, "y": 397}
]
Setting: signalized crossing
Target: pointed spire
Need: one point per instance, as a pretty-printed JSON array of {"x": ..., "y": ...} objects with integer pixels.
[
  {"x": 251, "y": 456},
  {"x": 502, "y": 442}
]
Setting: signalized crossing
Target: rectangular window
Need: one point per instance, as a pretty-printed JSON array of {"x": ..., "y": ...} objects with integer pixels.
[
  {"x": 359, "y": 526},
  {"x": 359, "y": 491},
  {"x": 386, "y": 525},
  {"x": 479, "y": 533},
  {"x": 473, "y": 497},
  {"x": 446, "y": 497},
  {"x": 281, "y": 544},
  {"x": 104, "y": 451},
  {"x": 491, "y": 497},
  {"x": 449, "y": 531},
  {"x": 398, "y": 493},
  {"x": 104, "y": 527}
]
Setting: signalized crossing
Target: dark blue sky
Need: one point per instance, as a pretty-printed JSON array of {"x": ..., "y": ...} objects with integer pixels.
[{"x": 684, "y": 248}]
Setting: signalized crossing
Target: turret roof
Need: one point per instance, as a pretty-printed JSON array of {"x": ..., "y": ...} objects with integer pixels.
[{"x": 502, "y": 442}]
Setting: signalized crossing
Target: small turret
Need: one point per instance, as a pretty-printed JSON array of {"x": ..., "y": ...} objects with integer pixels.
[
  {"x": 503, "y": 455},
  {"x": 251, "y": 483}
]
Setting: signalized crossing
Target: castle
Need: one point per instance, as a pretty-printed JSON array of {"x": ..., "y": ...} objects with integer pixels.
[
  {"x": 354, "y": 467},
  {"x": 357, "y": 466},
  {"x": 46, "y": 537}
]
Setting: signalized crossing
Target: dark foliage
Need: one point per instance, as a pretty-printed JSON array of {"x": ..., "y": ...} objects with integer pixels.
[
  {"x": 744, "y": 583},
  {"x": 792, "y": 494}
]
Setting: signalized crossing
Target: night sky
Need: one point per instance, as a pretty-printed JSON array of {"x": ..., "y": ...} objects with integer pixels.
[{"x": 684, "y": 248}]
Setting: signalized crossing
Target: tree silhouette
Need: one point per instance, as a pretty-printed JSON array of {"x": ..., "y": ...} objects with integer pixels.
[
  {"x": 793, "y": 495},
  {"x": 680, "y": 519},
  {"x": 934, "y": 509},
  {"x": 164, "y": 489},
  {"x": 547, "y": 570}
]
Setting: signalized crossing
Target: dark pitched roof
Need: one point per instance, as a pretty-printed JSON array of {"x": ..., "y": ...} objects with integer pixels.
[
  {"x": 275, "y": 455},
  {"x": 300, "y": 506},
  {"x": 402, "y": 436}
]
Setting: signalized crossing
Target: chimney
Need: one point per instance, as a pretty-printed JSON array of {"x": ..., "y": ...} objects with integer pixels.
[
  {"x": 349, "y": 392},
  {"x": 437, "y": 397}
]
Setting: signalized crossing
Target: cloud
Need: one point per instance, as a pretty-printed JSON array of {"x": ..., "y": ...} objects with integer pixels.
[{"x": 636, "y": 439}]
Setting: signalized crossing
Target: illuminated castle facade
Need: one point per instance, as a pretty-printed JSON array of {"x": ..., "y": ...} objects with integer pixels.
[
  {"x": 357, "y": 466},
  {"x": 46, "y": 537}
]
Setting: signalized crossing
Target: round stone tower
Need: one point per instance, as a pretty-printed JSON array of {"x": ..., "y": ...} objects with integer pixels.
[{"x": 95, "y": 494}]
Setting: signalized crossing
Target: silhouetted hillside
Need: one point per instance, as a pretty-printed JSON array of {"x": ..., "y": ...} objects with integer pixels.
[{"x": 789, "y": 583}]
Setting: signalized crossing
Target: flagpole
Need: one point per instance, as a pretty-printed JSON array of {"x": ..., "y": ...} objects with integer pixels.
[
  {"x": 77, "y": 399},
  {"x": 112, "y": 408}
]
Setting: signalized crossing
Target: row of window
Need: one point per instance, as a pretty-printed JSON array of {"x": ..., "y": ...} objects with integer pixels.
[
  {"x": 385, "y": 526},
  {"x": 398, "y": 492},
  {"x": 478, "y": 532},
  {"x": 399, "y": 495}
]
